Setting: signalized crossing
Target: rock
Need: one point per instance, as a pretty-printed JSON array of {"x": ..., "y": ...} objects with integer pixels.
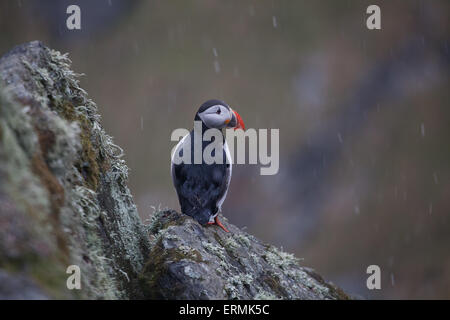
[
  {"x": 63, "y": 194},
  {"x": 64, "y": 201},
  {"x": 188, "y": 261}
]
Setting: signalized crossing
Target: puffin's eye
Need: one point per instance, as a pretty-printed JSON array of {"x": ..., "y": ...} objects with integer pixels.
[{"x": 218, "y": 111}]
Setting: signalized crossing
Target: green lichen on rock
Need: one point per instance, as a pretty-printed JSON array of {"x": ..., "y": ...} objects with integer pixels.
[
  {"x": 63, "y": 183},
  {"x": 23, "y": 197},
  {"x": 233, "y": 265}
]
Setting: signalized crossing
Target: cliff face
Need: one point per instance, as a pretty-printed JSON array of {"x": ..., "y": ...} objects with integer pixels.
[
  {"x": 63, "y": 188},
  {"x": 64, "y": 201}
]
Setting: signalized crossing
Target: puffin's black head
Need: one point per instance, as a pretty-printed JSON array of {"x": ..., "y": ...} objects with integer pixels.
[{"x": 217, "y": 114}]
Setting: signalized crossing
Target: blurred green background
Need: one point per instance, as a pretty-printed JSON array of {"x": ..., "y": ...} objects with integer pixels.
[{"x": 363, "y": 116}]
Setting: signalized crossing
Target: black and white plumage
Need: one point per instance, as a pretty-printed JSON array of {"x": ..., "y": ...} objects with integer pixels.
[{"x": 202, "y": 187}]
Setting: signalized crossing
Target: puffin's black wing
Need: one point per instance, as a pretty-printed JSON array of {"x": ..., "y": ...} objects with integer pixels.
[{"x": 200, "y": 186}]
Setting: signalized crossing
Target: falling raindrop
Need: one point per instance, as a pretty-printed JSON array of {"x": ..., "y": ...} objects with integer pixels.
[
  {"x": 215, "y": 52},
  {"x": 274, "y": 21},
  {"x": 392, "y": 279},
  {"x": 435, "y": 177},
  {"x": 422, "y": 129},
  {"x": 340, "y": 137},
  {"x": 216, "y": 66},
  {"x": 430, "y": 210},
  {"x": 356, "y": 210},
  {"x": 142, "y": 123}
]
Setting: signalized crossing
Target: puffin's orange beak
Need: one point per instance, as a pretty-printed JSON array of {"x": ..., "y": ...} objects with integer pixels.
[{"x": 239, "y": 123}]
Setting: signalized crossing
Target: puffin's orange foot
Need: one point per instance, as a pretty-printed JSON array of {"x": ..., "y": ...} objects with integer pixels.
[{"x": 219, "y": 224}]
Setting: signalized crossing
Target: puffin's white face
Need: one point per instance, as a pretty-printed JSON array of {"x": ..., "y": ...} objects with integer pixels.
[{"x": 216, "y": 116}]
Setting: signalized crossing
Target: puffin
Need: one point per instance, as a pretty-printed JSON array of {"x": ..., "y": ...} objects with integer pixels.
[{"x": 202, "y": 187}]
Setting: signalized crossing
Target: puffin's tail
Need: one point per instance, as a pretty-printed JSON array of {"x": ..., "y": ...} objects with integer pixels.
[
  {"x": 194, "y": 208},
  {"x": 201, "y": 215}
]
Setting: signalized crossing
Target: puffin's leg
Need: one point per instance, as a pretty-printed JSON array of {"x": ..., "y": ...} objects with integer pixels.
[
  {"x": 219, "y": 224},
  {"x": 216, "y": 219}
]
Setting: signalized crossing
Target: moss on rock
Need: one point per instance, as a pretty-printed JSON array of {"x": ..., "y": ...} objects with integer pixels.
[
  {"x": 64, "y": 183},
  {"x": 233, "y": 265}
]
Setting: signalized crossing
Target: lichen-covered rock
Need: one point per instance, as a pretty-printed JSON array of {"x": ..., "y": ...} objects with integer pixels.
[
  {"x": 188, "y": 261},
  {"x": 63, "y": 196},
  {"x": 64, "y": 201}
]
